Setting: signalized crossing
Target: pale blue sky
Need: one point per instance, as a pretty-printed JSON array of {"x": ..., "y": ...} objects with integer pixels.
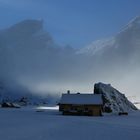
[{"x": 74, "y": 22}]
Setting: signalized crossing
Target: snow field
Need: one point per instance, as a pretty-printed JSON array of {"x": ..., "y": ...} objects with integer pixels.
[{"x": 48, "y": 124}]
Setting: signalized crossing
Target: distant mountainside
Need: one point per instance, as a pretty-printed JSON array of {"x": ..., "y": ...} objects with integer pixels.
[
  {"x": 32, "y": 62},
  {"x": 113, "y": 100},
  {"x": 115, "y": 57},
  {"x": 123, "y": 43},
  {"x": 24, "y": 97},
  {"x": 123, "y": 49},
  {"x": 28, "y": 54}
]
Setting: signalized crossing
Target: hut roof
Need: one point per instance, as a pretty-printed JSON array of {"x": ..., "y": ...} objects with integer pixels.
[{"x": 86, "y": 99}]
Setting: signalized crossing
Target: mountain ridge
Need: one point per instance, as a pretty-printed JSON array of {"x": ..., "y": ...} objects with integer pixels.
[{"x": 38, "y": 63}]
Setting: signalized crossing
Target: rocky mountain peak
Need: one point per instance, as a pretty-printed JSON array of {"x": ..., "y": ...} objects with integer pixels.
[
  {"x": 133, "y": 25},
  {"x": 135, "y": 21},
  {"x": 113, "y": 100},
  {"x": 28, "y": 25}
]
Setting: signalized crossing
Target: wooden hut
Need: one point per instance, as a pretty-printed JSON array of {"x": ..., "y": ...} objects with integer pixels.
[{"x": 81, "y": 104}]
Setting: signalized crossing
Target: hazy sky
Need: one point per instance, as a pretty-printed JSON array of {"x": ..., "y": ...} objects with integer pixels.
[{"x": 74, "y": 22}]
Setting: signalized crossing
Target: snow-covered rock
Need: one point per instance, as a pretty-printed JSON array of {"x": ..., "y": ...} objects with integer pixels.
[
  {"x": 113, "y": 100},
  {"x": 10, "y": 105}
]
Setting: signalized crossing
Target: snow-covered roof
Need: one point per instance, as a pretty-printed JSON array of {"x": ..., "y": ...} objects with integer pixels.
[{"x": 89, "y": 99}]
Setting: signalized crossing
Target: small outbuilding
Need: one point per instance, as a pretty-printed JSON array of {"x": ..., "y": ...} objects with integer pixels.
[{"x": 81, "y": 104}]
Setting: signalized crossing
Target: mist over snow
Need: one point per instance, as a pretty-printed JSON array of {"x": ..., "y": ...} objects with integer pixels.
[
  {"x": 116, "y": 59},
  {"x": 31, "y": 61}
]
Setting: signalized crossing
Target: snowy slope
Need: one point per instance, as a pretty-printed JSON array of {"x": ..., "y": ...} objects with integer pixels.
[
  {"x": 26, "y": 124},
  {"x": 114, "y": 101},
  {"x": 97, "y": 47},
  {"x": 128, "y": 39}
]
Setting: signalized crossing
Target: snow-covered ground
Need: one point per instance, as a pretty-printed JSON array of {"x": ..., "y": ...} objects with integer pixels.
[{"x": 48, "y": 124}]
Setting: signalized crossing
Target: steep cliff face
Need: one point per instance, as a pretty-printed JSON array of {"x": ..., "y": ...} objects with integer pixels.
[{"x": 113, "y": 100}]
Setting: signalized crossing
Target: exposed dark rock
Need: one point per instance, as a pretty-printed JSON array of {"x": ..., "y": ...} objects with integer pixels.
[
  {"x": 23, "y": 101},
  {"x": 113, "y": 100},
  {"x": 9, "y": 105}
]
